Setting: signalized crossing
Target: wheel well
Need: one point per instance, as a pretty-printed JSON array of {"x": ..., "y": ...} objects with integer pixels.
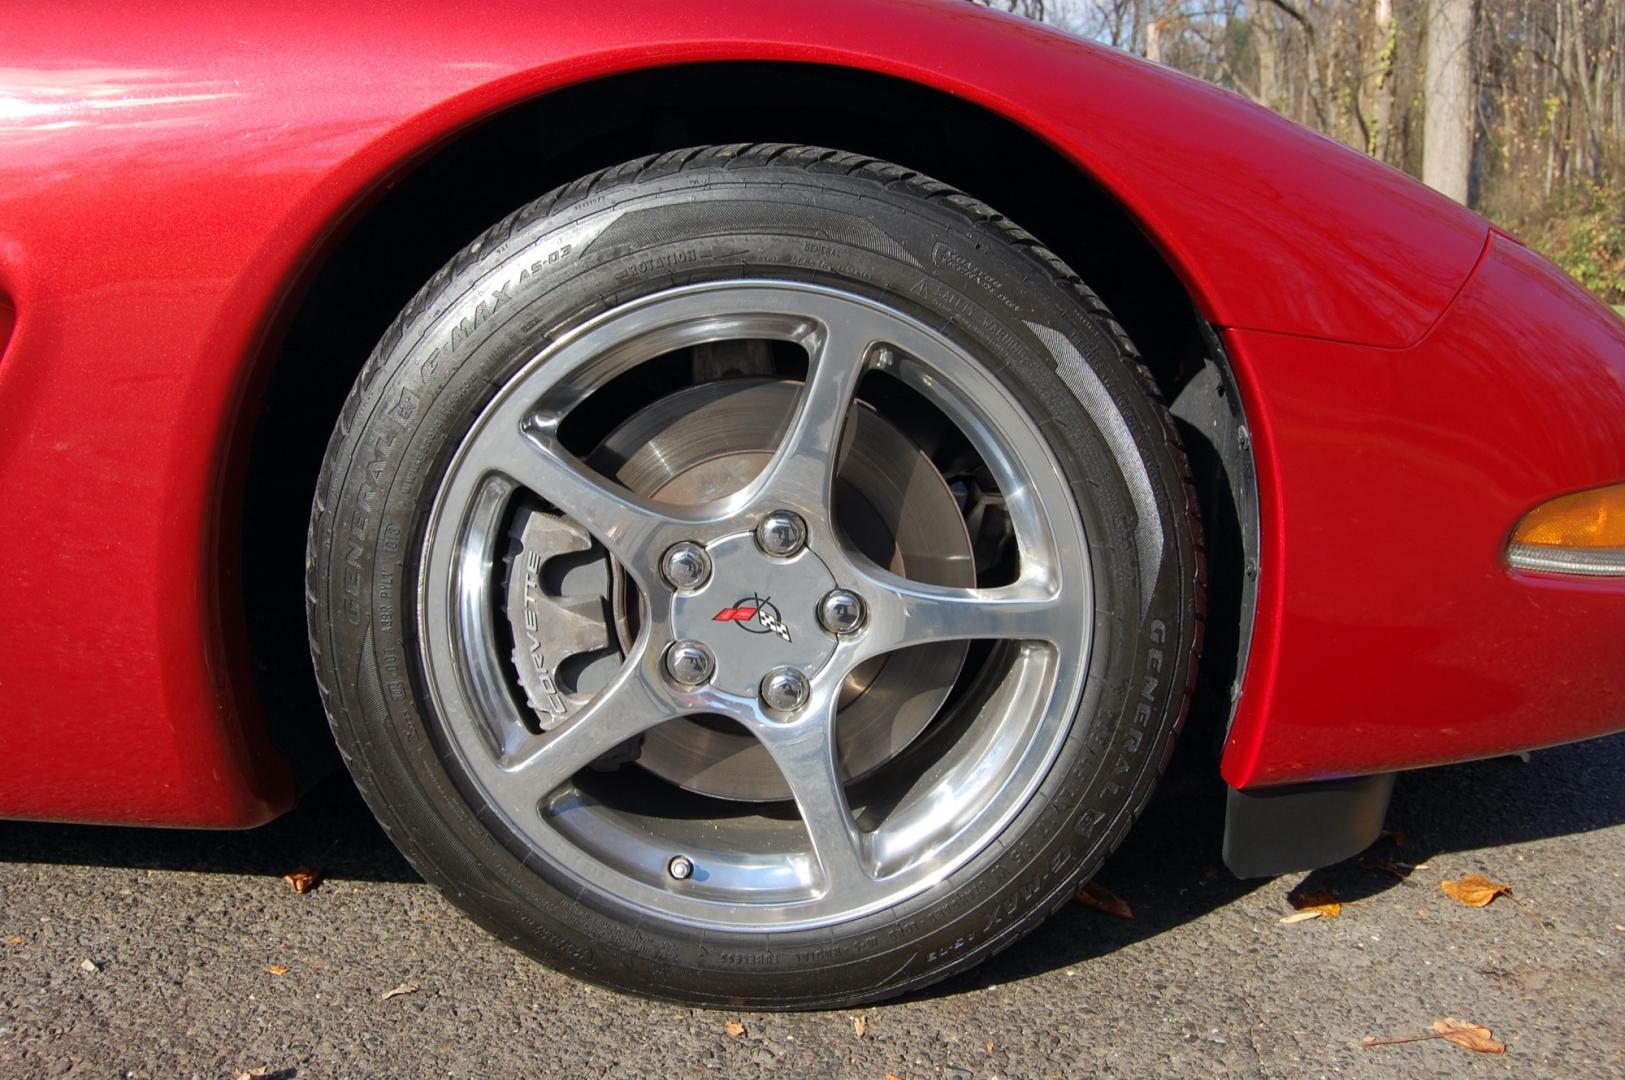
[{"x": 378, "y": 259}]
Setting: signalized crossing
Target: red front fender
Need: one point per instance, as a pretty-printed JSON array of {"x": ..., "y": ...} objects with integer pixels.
[{"x": 168, "y": 169}]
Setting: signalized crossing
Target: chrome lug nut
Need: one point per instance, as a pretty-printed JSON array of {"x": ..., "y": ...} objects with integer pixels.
[
  {"x": 689, "y": 663},
  {"x": 686, "y": 565},
  {"x": 781, "y": 534},
  {"x": 785, "y": 689},
  {"x": 680, "y": 867},
  {"x": 841, "y": 611}
]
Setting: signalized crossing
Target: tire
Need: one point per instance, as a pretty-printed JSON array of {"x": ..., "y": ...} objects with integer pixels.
[{"x": 750, "y": 228}]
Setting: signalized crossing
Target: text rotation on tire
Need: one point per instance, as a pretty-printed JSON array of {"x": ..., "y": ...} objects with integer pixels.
[{"x": 1068, "y": 639}]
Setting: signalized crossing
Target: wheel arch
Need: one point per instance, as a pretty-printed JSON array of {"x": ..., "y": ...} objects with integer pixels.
[{"x": 399, "y": 233}]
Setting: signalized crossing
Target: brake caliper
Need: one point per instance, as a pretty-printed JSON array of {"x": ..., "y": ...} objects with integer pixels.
[{"x": 559, "y": 609}]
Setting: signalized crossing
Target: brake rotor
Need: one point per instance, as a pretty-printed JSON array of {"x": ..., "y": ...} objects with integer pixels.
[{"x": 891, "y": 503}]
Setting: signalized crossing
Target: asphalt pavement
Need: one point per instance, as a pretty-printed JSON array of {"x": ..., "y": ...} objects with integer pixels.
[{"x": 146, "y": 953}]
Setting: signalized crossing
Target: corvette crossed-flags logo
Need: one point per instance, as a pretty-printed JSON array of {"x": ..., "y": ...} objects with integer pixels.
[{"x": 754, "y": 609}]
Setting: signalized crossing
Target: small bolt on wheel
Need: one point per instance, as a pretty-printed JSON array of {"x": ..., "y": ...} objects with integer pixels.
[
  {"x": 781, "y": 534},
  {"x": 689, "y": 663},
  {"x": 785, "y": 689},
  {"x": 686, "y": 566},
  {"x": 841, "y": 611}
]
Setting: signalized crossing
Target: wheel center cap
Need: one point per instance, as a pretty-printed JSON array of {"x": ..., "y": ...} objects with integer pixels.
[{"x": 756, "y": 613}]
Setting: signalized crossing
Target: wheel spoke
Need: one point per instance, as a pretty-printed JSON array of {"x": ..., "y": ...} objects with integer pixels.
[
  {"x": 631, "y": 527},
  {"x": 635, "y": 701},
  {"x": 904, "y": 612},
  {"x": 802, "y": 472},
  {"x": 804, "y": 751}
]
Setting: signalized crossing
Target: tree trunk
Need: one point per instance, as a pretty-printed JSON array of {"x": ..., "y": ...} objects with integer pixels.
[
  {"x": 1269, "y": 92},
  {"x": 1383, "y": 93},
  {"x": 1447, "y": 138}
]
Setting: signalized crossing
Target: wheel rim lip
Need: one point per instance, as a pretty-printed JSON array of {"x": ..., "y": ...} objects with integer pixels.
[{"x": 466, "y": 510}]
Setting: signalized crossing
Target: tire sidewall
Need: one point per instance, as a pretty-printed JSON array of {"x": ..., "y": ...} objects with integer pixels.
[{"x": 520, "y": 288}]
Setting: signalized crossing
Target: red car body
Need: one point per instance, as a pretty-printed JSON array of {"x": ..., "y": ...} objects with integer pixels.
[{"x": 171, "y": 173}]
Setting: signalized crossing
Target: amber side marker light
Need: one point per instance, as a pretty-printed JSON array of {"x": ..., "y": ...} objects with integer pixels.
[{"x": 1583, "y": 533}]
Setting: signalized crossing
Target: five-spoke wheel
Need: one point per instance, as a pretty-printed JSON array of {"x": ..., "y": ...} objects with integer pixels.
[
  {"x": 733, "y": 598},
  {"x": 755, "y": 574}
]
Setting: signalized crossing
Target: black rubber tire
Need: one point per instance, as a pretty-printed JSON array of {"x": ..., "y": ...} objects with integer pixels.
[{"x": 736, "y": 212}]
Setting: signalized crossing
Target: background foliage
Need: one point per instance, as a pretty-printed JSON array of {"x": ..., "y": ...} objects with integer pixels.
[{"x": 1547, "y": 103}]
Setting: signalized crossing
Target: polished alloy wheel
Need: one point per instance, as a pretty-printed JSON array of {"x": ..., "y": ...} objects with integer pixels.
[
  {"x": 755, "y": 575},
  {"x": 764, "y": 521}
]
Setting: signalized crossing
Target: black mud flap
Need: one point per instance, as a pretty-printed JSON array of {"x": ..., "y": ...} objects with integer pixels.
[{"x": 1294, "y": 827}]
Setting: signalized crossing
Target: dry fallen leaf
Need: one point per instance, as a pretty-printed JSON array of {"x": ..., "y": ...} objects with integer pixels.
[
  {"x": 276, "y": 969},
  {"x": 1300, "y": 916},
  {"x": 734, "y": 1028},
  {"x": 404, "y": 988},
  {"x": 1101, "y": 898},
  {"x": 1474, "y": 890},
  {"x": 1312, "y": 905},
  {"x": 303, "y": 879},
  {"x": 860, "y": 1026},
  {"x": 14, "y": 941},
  {"x": 1474, "y": 1037},
  {"x": 1471, "y": 1036},
  {"x": 893, "y": 1076}
]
